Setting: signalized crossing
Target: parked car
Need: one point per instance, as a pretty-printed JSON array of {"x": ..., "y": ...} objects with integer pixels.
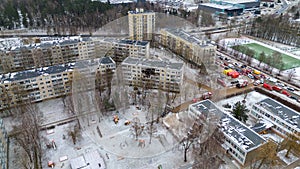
[
  {"x": 293, "y": 97},
  {"x": 277, "y": 88},
  {"x": 250, "y": 76},
  {"x": 267, "y": 86},
  {"x": 231, "y": 66},
  {"x": 286, "y": 93},
  {"x": 290, "y": 89},
  {"x": 234, "y": 82},
  {"x": 243, "y": 66},
  {"x": 257, "y": 82}
]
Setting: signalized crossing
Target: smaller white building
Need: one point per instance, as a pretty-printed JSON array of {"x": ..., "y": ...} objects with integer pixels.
[
  {"x": 285, "y": 120},
  {"x": 241, "y": 142},
  {"x": 91, "y": 160}
]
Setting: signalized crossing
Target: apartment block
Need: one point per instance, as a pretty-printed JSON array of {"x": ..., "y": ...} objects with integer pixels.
[
  {"x": 241, "y": 142},
  {"x": 189, "y": 47},
  {"x": 154, "y": 74},
  {"x": 284, "y": 119},
  {"x": 46, "y": 82},
  {"x": 120, "y": 49},
  {"x": 46, "y": 54},
  {"x": 131, "y": 48},
  {"x": 141, "y": 24},
  {"x": 3, "y": 146}
]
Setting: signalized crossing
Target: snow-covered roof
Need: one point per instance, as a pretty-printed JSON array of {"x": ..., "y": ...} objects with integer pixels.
[
  {"x": 152, "y": 63},
  {"x": 281, "y": 111},
  {"x": 28, "y": 74},
  {"x": 187, "y": 37},
  {"x": 262, "y": 125},
  {"x": 133, "y": 42},
  {"x": 233, "y": 129}
]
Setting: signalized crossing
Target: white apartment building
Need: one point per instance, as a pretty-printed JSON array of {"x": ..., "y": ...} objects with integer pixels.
[
  {"x": 45, "y": 83},
  {"x": 284, "y": 119},
  {"x": 141, "y": 24},
  {"x": 241, "y": 142},
  {"x": 153, "y": 74}
]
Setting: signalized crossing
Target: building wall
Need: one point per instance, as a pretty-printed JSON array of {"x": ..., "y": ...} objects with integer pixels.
[
  {"x": 160, "y": 78},
  {"x": 281, "y": 126},
  {"x": 43, "y": 87},
  {"x": 25, "y": 58},
  {"x": 192, "y": 52},
  {"x": 141, "y": 24}
]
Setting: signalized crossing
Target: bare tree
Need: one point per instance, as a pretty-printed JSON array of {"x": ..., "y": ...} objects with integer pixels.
[
  {"x": 27, "y": 134},
  {"x": 137, "y": 128},
  {"x": 191, "y": 137},
  {"x": 266, "y": 155},
  {"x": 75, "y": 133}
]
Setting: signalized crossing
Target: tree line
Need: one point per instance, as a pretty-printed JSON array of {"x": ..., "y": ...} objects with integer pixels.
[
  {"x": 60, "y": 16},
  {"x": 278, "y": 29}
]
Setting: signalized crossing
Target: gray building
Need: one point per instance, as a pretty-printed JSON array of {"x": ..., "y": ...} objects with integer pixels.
[
  {"x": 284, "y": 119},
  {"x": 241, "y": 142}
]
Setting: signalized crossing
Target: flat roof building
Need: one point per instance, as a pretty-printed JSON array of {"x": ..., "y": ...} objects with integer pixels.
[
  {"x": 241, "y": 142},
  {"x": 192, "y": 49},
  {"x": 49, "y": 82},
  {"x": 154, "y": 74},
  {"x": 284, "y": 119}
]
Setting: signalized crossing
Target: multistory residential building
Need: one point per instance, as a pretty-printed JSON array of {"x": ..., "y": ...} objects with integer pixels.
[
  {"x": 3, "y": 146},
  {"x": 153, "y": 74},
  {"x": 141, "y": 24},
  {"x": 120, "y": 49},
  {"x": 189, "y": 47},
  {"x": 285, "y": 120},
  {"x": 46, "y": 82},
  {"x": 241, "y": 142},
  {"x": 46, "y": 54},
  {"x": 131, "y": 48}
]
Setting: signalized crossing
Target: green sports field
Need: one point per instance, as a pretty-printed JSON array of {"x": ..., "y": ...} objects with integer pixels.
[{"x": 289, "y": 61}]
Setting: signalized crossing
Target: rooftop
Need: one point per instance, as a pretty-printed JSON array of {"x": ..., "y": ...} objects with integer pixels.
[
  {"x": 239, "y": 1},
  {"x": 281, "y": 111},
  {"x": 152, "y": 63},
  {"x": 242, "y": 135},
  {"x": 219, "y": 6},
  {"x": 133, "y": 42},
  {"x": 27, "y": 74},
  {"x": 187, "y": 37},
  {"x": 106, "y": 60}
]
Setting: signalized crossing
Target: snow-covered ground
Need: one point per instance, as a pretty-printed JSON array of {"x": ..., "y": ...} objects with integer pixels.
[{"x": 292, "y": 158}]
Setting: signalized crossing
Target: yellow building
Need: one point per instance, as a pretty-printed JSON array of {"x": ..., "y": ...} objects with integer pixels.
[
  {"x": 141, "y": 24},
  {"x": 153, "y": 74},
  {"x": 189, "y": 47},
  {"x": 45, "y": 83}
]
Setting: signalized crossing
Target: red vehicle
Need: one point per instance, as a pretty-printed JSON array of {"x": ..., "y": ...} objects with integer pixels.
[
  {"x": 206, "y": 95},
  {"x": 267, "y": 86},
  {"x": 277, "y": 88},
  {"x": 286, "y": 93}
]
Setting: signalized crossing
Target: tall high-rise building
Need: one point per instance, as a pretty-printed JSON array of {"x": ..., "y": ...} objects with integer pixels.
[{"x": 141, "y": 24}]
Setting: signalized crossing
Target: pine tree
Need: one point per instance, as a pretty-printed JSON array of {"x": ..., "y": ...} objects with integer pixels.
[{"x": 239, "y": 111}]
